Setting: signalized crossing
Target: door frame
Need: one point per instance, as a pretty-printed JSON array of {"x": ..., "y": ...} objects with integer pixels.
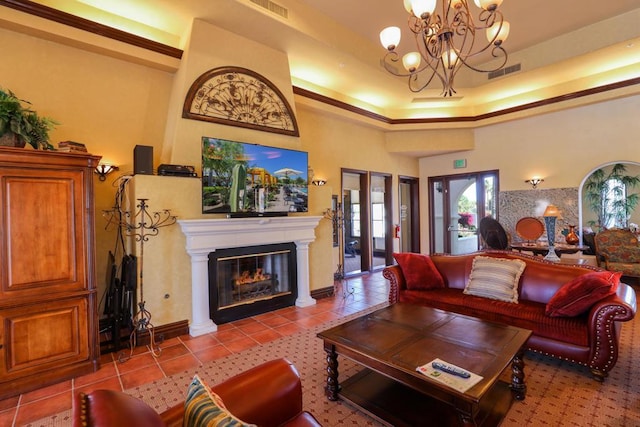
[
  {"x": 480, "y": 202},
  {"x": 388, "y": 216},
  {"x": 414, "y": 213}
]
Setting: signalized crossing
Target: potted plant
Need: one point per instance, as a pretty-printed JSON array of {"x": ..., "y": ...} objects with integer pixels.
[
  {"x": 19, "y": 125},
  {"x": 608, "y": 194}
]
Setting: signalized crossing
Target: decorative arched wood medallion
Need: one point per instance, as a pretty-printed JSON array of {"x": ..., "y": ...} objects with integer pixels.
[{"x": 239, "y": 97}]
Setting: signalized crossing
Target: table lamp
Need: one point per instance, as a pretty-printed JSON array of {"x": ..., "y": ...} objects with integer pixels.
[{"x": 551, "y": 213}]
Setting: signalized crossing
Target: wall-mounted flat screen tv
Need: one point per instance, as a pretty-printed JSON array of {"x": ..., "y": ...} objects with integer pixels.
[{"x": 242, "y": 179}]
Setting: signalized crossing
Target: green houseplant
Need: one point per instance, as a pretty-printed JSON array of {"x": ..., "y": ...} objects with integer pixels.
[
  {"x": 608, "y": 194},
  {"x": 19, "y": 125}
]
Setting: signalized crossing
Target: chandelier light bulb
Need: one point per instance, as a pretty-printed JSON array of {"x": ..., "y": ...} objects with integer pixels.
[
  {"x": 422, "y": 7},
  {"x": 488, "y": 4},
  {"x": 411, "y": 61},
  {"x": 449, "y": 57},
  {"x": 502, "y": 32},
  {"x": 390, "y": 37},
  {"x": 407, "y": 6}
]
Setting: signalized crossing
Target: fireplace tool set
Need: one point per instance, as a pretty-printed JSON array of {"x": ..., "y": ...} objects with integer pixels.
[
  {"x": 337, "y": 218},
  {"x": 141, "y": 225}
]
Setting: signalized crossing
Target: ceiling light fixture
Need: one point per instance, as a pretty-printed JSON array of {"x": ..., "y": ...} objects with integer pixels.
[{"x": 446, "y": 41}]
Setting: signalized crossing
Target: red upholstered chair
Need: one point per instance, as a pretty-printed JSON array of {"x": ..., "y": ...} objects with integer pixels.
[
  {"x": 267, "y": 395},
  {"x": 619, "y": 250}
]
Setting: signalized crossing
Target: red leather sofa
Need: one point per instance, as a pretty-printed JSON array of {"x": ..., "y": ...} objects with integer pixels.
[
  {"x": 267, "y": 395},
  {"x": 590, "y": 339}
]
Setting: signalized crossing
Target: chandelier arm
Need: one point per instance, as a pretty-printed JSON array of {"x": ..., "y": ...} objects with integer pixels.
[
  {"x": 417, "y": 87},
  {"x": 490, "y": 17},
  {"x": 415, "y": 24},
  {"x": 498, "y": 49},
  {"x": 390, "y": 60}
]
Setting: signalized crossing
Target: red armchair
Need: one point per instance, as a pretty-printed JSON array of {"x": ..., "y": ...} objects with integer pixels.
[{"x": 275, "y": 400}]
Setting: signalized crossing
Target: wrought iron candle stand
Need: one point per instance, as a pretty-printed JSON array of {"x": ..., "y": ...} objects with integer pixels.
[
  {"x": 337, "y": 218},
  {"x": 142, "y": 225}
]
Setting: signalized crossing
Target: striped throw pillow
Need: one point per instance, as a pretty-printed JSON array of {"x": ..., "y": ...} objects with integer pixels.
[
  {"x": 204, "y": 408},
  {"x": 495, "y": 278}
]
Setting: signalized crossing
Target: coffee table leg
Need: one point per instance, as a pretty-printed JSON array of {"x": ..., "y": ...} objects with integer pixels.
[
  {"x": 518, "y": 386},
  {"x": 333, "y": 387},
  {"x": 466, "y": 420}
]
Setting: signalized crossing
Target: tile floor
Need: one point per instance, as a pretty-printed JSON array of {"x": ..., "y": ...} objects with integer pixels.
[{"x": 185, "y": 352}]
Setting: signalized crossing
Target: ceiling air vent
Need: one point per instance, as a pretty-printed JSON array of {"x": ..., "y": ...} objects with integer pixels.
[
  {"x": 272, "y": 7},
  {"x": 504, "y": 71}
]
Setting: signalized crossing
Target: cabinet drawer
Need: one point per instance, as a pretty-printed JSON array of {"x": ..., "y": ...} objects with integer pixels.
[{"x": 44, "y": 336}]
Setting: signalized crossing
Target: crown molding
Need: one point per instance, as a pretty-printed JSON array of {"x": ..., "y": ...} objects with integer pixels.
[
  {"x": 465, "y": 119},
  {"x": 64, "y": 18}
]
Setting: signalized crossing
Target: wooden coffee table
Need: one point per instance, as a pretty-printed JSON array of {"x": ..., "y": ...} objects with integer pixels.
[{"x": 392, "y": 342}]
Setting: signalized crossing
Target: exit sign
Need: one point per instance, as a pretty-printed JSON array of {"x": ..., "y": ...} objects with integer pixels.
[{"x": 460, "y": 163}]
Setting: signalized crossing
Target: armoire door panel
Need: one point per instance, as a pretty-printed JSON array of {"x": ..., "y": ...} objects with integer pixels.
[
  {"x": 43, "y": 220},
  {"x": 53, "y": 335}
]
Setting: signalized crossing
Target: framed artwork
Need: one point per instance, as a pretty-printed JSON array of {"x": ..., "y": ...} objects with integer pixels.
[{"x": 237, "y": 96}]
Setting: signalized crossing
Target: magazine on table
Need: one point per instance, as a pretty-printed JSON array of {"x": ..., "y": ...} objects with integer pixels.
[{"x": 454, "y": 381}]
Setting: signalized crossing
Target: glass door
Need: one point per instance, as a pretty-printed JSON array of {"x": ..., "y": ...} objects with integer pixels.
[
  {"x": 457, "y": 203},
  {"x": 356, "y": 229},
  {"x": 381, "y": 231}
]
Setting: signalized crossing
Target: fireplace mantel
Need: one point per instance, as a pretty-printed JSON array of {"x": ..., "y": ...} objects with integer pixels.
[{"x": 207, "y": 235}]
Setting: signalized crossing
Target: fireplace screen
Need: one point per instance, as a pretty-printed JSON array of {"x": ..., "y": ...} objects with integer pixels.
[{"x": 251, "y": 280}]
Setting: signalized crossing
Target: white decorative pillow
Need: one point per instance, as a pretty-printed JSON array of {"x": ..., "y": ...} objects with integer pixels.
[{"x": 495, "y": 278}]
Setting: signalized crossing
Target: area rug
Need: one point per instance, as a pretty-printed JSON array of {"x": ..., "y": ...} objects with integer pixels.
[{"x": 558, "y": 393}]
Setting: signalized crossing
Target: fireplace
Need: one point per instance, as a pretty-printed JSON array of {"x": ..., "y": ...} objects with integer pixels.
[
  {"x": 251, "y": 280},
  {"x": 204, "y": 236}
]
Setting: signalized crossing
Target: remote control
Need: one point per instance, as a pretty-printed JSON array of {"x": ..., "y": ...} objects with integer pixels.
[{"x": 450, "y": 369}]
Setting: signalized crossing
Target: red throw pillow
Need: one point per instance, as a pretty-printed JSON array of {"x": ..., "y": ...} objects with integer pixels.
[
  {"x": 578, "y": 295},
  {"x": 419, "y": 271}
]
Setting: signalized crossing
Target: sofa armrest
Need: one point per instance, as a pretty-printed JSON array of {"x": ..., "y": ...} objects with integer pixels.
[
  {"x": 174, "y": 416},
  {"x": 107, "y": 408},
  {"x": 269, "y": 394},
  {"x": 394, "y": 275},
  {"x": 603, "y": 319}
]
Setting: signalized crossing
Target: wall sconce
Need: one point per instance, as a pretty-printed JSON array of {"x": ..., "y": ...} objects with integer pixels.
[
  {"x": 104, "y": 169},
  {"x": 534, "y": 182},
  {"x": 319, "y": 182}
]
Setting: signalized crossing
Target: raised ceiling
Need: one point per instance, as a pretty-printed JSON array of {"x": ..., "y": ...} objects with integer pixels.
[{"x": 333, "y": 48}]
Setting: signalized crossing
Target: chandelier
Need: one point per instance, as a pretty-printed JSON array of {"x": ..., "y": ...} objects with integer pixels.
[{"x": 446, "y": 41}]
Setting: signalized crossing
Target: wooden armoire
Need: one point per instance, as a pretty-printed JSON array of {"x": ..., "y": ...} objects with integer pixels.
[{"x": 48, "y": 303}]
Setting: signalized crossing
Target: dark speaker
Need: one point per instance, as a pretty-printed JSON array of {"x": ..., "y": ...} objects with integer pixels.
[{"x": 143, "y": 160}]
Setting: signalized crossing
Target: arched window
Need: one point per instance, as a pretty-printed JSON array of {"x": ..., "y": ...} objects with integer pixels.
[
  {"x": 614, "y": 203},
  {"x": 609, "y": 194}
]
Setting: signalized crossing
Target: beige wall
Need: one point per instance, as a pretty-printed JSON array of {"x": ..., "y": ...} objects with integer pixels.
[
  {"x": 112, "y": 105},
  {"x": 561, "y": 147}
]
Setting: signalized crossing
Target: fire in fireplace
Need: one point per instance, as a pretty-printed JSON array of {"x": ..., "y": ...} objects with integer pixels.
[{"x": 251, "y": 280}]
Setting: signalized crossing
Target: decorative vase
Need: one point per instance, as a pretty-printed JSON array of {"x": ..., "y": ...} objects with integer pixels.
[{"x": 572, "y": 238}]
